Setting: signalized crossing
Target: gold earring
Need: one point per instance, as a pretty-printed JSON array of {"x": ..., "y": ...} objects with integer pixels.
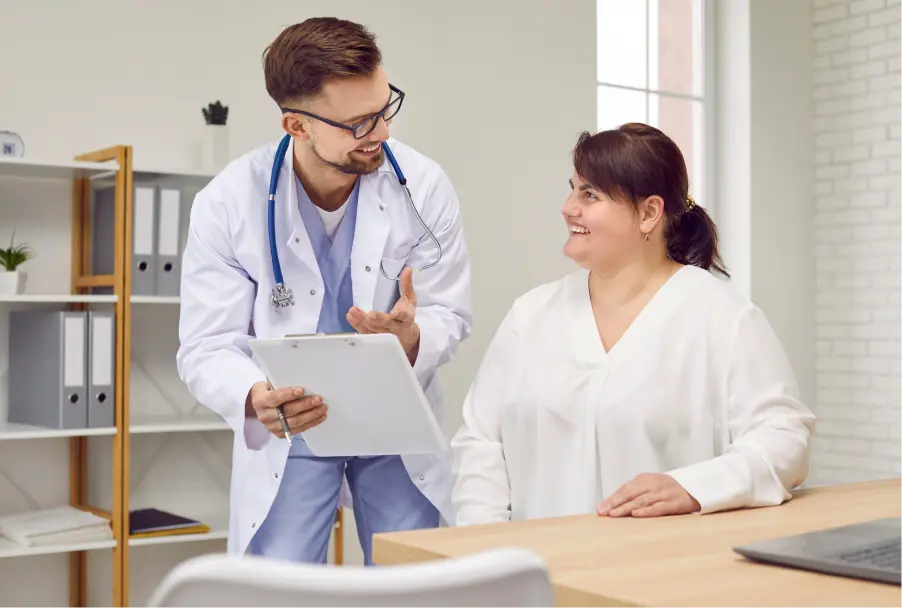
[{"x": 646, "y": 236}]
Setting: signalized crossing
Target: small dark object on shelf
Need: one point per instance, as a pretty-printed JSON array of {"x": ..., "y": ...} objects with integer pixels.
[{"x": 216, "y": 113}]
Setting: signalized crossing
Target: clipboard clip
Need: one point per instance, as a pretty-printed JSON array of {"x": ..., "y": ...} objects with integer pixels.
[{"x": 319, "y": 334}]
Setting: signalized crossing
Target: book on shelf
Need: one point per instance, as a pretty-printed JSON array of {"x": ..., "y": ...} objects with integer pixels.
[
  {"x": 55, "y": 526},
  {"x": 144, "y": 523}
]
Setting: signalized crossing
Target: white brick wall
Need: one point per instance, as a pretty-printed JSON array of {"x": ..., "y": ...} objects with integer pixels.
[{"x": 857, "y": 190}]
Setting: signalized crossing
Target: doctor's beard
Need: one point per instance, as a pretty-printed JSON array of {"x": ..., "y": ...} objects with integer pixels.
[{"x": 353, "y": 166}]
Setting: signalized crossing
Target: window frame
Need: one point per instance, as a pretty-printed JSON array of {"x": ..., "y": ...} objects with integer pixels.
[{"x": 707, "y": 97}]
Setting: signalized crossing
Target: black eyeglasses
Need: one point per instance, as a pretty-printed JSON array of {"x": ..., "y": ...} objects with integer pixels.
[{"x": 363, "y": 128}]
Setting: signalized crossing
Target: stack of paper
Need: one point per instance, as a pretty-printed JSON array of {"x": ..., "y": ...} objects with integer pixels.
[{"x": 57, "y": 526}]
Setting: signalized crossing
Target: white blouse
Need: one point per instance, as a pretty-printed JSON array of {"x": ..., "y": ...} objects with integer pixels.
[{"x": 698, "y": 387}]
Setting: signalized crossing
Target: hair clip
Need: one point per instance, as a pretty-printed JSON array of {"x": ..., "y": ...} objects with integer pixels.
[{"x": 690, "y": 203}]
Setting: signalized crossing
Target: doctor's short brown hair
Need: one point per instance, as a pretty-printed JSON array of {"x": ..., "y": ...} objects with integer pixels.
[{"x": 299, "y": 62}]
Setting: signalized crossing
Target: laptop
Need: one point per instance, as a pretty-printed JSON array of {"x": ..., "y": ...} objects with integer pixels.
[{"x": 869, "y": 550}]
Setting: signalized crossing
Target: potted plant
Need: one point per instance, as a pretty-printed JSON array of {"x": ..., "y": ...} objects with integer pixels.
[
  {"x": 215, "y": 147},
  {"x": 12, "y": 280}
]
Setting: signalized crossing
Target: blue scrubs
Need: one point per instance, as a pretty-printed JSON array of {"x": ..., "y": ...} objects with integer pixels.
[{"x": 384, "y": 498}]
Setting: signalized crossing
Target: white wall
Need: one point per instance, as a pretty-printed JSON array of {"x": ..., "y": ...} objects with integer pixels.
[
  {"x": 764, "y": 205},
  {"x": 782, "y": 274},
  {"x": 809, "y": 208},
  {"x": 497, "y": 92},
  {"x": 857, "y": 143}
]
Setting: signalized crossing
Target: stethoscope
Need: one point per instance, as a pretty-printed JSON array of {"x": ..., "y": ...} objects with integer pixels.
[{"x": 282, "y": 296}]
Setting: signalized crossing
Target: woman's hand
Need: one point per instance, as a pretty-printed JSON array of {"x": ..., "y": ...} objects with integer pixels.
[{"x": 649, "y": 495}]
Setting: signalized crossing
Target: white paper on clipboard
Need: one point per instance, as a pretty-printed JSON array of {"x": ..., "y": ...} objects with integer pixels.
[{"x": 376, "y": 406}]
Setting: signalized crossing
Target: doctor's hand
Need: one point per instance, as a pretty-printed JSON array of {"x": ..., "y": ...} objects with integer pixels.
[
  {"x": 649, "y": 495},
  {"x": 301, "y": 412},
  {"x": 400, "y": 321}
]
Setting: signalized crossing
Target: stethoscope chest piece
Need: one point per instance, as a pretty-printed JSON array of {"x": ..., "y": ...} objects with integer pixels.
[{"x": 281, "y": 297}]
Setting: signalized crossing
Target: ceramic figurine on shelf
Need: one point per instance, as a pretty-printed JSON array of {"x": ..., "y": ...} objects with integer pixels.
[
  {"x": 12, "y": 281},
  {"x": 215, "y": 146}
]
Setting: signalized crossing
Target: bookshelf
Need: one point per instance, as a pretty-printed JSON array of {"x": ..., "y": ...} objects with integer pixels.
[
  {"x": 43, "y": 201},
  {"x": 164, "y": 451}
]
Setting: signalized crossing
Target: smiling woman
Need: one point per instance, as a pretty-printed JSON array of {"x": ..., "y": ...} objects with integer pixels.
[
  {"x": 629, "y": 165},
  {"x": 640, "y": 385}
]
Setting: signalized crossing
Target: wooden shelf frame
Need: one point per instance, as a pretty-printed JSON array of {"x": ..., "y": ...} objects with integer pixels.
[{"x": 82, "y": 281}]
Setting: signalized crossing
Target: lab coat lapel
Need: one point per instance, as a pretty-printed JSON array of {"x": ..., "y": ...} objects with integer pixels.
[
  {"x": 370, "y": 234},
  {"x": 299, "y": 241}
]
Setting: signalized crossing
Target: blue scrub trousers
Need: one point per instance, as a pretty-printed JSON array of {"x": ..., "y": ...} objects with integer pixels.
[{"x": 299, "y": 523}]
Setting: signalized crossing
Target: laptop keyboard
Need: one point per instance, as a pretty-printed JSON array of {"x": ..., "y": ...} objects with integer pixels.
[{"x": 886, "y": 555}]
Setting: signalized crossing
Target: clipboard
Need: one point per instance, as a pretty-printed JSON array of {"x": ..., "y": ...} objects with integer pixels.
[{"x": 376, "y": 406}]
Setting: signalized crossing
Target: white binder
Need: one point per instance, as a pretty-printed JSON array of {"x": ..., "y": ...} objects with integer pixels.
[
  {"x": 375, "y": 404},
  {"x": 143, "y": 230},
  {"x": 168, "y": 252},
  {"x": 101, "y": 371}
]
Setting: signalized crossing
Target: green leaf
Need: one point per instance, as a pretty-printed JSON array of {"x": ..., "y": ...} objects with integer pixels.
[{"x": 15, "y": 255}]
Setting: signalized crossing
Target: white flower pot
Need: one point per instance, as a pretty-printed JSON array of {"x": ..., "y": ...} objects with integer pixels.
[
  {"x": 12, "y": 283},
  {"x": 214, "y": 148}
]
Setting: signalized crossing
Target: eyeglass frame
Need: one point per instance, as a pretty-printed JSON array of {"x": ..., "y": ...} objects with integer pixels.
[{"x": 372, "y": 117}]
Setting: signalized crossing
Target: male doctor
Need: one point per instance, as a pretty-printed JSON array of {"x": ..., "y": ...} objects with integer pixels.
[{"x": 342, "y": 219}]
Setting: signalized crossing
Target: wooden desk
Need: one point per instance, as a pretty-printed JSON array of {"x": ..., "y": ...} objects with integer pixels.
[{"x": 672, "y": 561}]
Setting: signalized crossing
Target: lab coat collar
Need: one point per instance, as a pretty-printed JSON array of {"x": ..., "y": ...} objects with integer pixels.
[{"x": 371, "y": 230}]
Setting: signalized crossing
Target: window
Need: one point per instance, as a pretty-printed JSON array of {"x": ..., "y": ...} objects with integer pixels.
[{"x": 652, "y": 69}]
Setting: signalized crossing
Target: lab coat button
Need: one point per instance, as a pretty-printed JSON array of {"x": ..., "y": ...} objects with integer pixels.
[
  {"x": 253, "y": 524},
  {"x": 422, "y": 477},
  {"x": 381, "y": 207},
  {"x": 312, "y": 292},
  {"x": 275, "y": 475},
  {"x": 297, "y": 239},
  {"x": 367, "y": 268}
]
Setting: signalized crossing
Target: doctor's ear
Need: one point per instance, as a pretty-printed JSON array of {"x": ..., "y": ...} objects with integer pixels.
[
  {"x": 650, "y": 212},
  {"x": 296, "y": 126}
]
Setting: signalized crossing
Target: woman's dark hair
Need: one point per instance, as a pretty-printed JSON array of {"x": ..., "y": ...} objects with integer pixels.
[{"x": 635, "y": 161}]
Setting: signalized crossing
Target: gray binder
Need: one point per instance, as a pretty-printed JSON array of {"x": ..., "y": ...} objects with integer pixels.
[
  {"x": 144, "y": 240},
  {"x": 101, "y": 368},
  {"x": 47, "y": 368},
  {"x": 168, "y": 251},
  {"x": 103, "y": 230}
]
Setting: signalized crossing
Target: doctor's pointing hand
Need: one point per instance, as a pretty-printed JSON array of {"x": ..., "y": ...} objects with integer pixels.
[{"x": 400, "y": 321}]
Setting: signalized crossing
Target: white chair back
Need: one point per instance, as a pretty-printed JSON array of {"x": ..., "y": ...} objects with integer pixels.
[{"x": 499, "y": 577}]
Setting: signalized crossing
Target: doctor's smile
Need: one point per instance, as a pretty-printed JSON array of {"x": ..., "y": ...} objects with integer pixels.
[{"x": 372, "y": 150}]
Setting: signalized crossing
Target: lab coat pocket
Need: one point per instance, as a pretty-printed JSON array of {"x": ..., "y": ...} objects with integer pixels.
[{"x": 387, "y": 290}]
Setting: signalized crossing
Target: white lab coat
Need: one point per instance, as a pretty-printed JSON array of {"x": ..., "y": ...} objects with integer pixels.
[
  {"x": 698, "y": 387},
  {"x": 227, "y": 278}
]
